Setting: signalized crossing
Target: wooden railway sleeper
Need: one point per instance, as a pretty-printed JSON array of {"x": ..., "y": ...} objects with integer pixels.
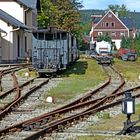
[
  {"x": 50, "y": 118},
  {"x": 68, "y": 124},
  {"x": 57, "y": 116},
  {"x": 75, "y": 121},
  {"x": 44, "y": 121},
  {"x": 28, "y": 128},
  {"x": 36, "y": 125},
  {"x": 60, "y": 128},
  {"x": 13, "y": 130},
  {"x": 110, "y": 100},
  {"x": 80, "y": 118}
]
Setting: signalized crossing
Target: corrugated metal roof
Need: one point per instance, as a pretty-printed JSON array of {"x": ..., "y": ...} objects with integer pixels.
[
  {"x": 51, "y": 30},
  {"x": 128, "y": 22},
  {"x": 33, "y": 4},
  {"x": 11, "y": 20},
  {"x": 2, "y": 30}
]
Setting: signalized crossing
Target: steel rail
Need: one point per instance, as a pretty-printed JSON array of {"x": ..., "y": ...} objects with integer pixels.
[
  {"x": 58, "y": 126},
  {"x": 63, "y": 109},
  {"x": 19, "y": 99},
  {"x": 74, "y": 106}
]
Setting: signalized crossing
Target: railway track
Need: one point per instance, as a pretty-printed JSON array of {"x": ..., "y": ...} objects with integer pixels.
[
  {"x": 11, "y": 96},
  {"x": 88, "y": 100},
  {"x": 8, "y": 84},
  {"x": 60, "y": 125},
  {"x": 6, "y": 78},
  {"x": 21, "y": 95}
]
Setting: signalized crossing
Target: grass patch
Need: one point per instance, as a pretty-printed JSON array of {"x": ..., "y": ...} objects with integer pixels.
[
  {"x": 129, "y": 69},
  {"x": 109, "y": 124},
  {"x": 81, "y": 77},
  {"x": 113, "y": 123},
  {"x": 21, "y": 73},
  {"x": 97, "y": 137},
  {"x": 103, "y": 115}
]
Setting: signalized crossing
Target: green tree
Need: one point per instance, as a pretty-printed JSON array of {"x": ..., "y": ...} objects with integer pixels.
[
  {"x": 104, "y": 37},
  {"x": 121, "y": 9},
  {"x": 77, "y": 4},
  {"x": 45, "y": 17},
  {"x": 62, "y": 14},
  {"x": 126, "y": 42},
  {"x": 114, "y": 8}
]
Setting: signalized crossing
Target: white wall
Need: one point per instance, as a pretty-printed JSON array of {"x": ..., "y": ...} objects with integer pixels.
[
  {"x": 117, "y": 43},
  {"x": 18, "y": 12},
  {"x": 9, "y": 42},
  {"x": 6, "y": 40},
  {"x": 13, "y": 9}
]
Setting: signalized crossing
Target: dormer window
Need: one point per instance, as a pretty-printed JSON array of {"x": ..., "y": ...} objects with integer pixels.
[
  {"x": 107, "y": 24},
  {"x": 102, "y": 24},
  {"x": 113, "y": 24}
]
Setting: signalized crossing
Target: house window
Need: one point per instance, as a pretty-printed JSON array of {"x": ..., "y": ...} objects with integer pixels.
[
  {"x": 113, "y": 33},
  {"x": 102, "y": 24},
  {"x": 25, "y": 44},
  {"x": 100, "y": 33},
  {"x": 122, "y": 34},
  {"x": 107, "y": 24},
  {"x": 113, "y": 24},
  {"x": 18, "y": 46},
  {"x": 25, "y": 17}
]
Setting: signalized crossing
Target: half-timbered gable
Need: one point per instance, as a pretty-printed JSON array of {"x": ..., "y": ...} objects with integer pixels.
[{"x": 112, "y": 25}]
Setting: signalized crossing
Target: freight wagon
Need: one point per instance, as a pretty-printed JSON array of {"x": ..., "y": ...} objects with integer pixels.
[
  {"x": 103, "y": 53},
  {"x": 53, "y": 50}
]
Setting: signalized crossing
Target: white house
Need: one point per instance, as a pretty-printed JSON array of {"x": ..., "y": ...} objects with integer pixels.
[
  {"x": 12, "y": 44},
  {"x": 112, "y": 25}
]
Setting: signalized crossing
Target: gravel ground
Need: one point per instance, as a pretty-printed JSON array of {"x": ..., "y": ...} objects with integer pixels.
[
  {"x": 80, "y": 129},
  {"x": 38, "y": 106}
]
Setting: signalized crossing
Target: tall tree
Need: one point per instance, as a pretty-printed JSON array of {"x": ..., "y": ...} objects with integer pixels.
[
  {"x": 45, "y": 17},
  {"x": 77, "y": 3},
  {"x": 104, "y": 37},
  {"x": 121, "y": 9},
  {"x": 62, "y": 14}
]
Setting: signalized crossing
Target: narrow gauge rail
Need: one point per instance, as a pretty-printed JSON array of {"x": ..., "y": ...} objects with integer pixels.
[
  {"x": 9, "y": 70},
  {"x": 59, "y": 125},
  {"x": 20, "y": 96},
  {"x": 12, "y": 67},
  {"x": 15, "y": 65},
  {"x": 10, "y": 92},
  {"x": 76, "y": 104}
]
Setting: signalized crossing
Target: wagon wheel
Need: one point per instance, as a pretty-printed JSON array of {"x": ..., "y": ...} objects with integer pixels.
[{"x": 131, "y": 58}]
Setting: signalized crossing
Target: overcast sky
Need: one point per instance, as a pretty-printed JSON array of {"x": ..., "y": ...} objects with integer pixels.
[{"x": 103, "y": 4}]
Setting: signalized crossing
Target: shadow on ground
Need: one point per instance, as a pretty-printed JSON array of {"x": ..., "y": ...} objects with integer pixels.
[{"x": 77, "y": 68}]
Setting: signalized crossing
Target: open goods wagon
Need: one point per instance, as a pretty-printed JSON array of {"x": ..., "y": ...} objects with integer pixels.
[{"x": 53, "y": 50}]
